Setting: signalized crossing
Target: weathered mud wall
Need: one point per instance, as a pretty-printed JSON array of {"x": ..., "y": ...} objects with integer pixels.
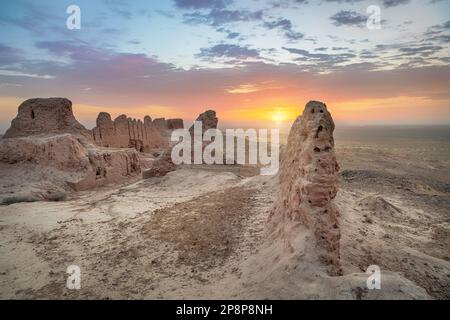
[
  {"x": 308, "y": 182},
  {"x": 85, "y": 165},
  {"x": 126, "y": 132},
  {"x": 46, "y": 116}
]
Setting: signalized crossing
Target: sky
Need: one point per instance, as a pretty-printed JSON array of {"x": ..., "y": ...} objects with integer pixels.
[{"x": 255, "y": 62}]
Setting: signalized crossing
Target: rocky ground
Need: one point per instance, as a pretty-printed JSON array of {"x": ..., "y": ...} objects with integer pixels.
[
  {"x": 199, "y": 233},
  {"x": 398, "y": 200}
]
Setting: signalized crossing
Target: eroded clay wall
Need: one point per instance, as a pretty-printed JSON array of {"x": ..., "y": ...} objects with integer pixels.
[{"x": 126, "y": 132}]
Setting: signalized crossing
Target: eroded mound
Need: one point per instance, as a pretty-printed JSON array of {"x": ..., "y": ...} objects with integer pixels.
[
  {"x": 46, "y": 116},
  {"x": 378, "y": 205}
]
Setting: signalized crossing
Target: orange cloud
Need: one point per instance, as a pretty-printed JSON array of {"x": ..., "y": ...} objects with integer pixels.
[
  {"x": 251, "y": 88},
  {"x": 397, "y": 110}
]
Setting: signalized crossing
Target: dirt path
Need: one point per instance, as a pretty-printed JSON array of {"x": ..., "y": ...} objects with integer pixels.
[{"x": 177, "y": 250}]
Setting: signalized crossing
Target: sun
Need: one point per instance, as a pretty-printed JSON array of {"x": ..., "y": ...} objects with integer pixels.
[{"x": 279, "y": 116}]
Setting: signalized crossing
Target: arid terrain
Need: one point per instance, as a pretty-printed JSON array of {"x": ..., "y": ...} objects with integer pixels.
[
  {"x": 199, "y": 233},
  {"x": 243, "y": 150}
]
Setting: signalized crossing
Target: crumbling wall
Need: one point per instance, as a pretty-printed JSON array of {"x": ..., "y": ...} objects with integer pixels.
[
  {"x": 108, "y": 166},
  {"x": 308, "y": 183},
  {"x": 209, "y": 121},
  {"x": 85, "y": 166},
  {"x": 126, "y": 132},
  {"x": 46, "y": 116},
  {"x": 173, "y": 124},
  {"x": 161, "y": 125}
]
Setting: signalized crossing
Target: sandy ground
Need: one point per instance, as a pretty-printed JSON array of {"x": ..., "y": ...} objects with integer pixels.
[{"x": 199, "y": 233}]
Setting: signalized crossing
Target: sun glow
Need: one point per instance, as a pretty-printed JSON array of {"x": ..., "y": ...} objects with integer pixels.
[{"x": 279, "y": 116}]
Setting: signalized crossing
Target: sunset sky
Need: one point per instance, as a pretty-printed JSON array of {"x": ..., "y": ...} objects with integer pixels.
[{"x": 254, "y": 62}]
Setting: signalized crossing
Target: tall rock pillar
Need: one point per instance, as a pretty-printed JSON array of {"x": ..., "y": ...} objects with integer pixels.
[{"x": 308, "y": 177}]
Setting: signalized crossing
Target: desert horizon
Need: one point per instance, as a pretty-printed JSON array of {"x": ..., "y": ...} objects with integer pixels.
[{"x": 285, "y": 125}]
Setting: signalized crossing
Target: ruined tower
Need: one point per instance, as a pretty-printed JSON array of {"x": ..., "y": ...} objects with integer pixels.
[{"x": 308, "y": 183}]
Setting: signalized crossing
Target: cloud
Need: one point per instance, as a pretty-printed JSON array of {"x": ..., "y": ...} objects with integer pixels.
[
  {"x": 329, "y": 60},
  {"x": 437, "y": 33},
  {"x": 126, "y": 80},
  {"x": 9, "y": 55},
  {"x": 252, "y": 88},
  {"x": 13, "y": 73},
  {"x": 228, "y": 51},
  {"x": 230, "y": 34},
  {"x": 34, "y": 18},
  {"x": 348, "y": 18},
  {"x": 120, "y": 7},
  {"x": 394, "y": 3},
  {"x": 286, "y": 25},
  {"x": 424, "y": 51},
  {"x": 218, "y": 17},
  {"x": 441, "y": 38},
  {"x": 292, "y": 35},
  {"x": 110, "y": 31},
  {"x": 201, "y": 4},
  {"x": 386, "y": 3},
  {"x": 368, "y": 54},
  {"x": 233, "y": 35},
  {"x": 75, "y": 51},
  {"x": 344, "y": 1},
  {"x": 124, "y": 13},
  {"x": 167, "y": 14},
  {"x": 287, "y": 4},
  {"x": 443, "y": 26}
]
